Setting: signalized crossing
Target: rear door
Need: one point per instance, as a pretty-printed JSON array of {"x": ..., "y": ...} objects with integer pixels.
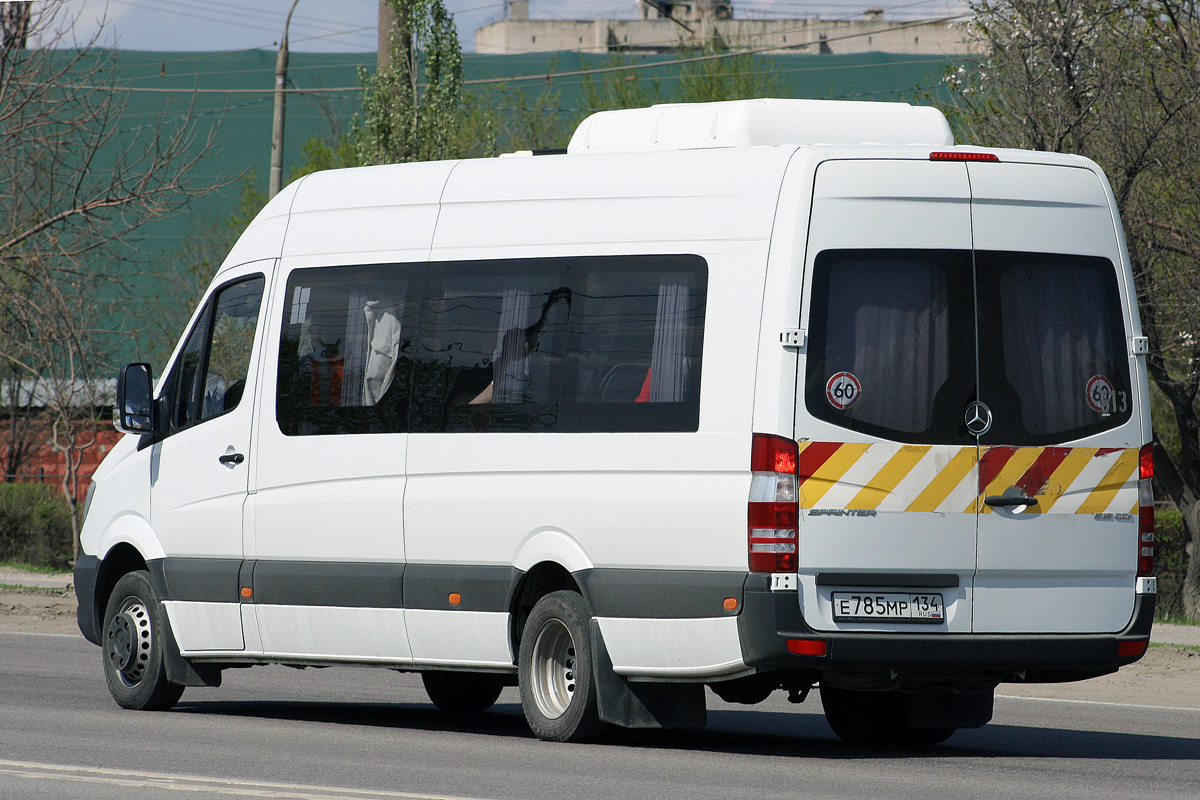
[
  {"x": 888, "y": 470},
  {"x": 968, "y": 423},
  {"x": 1055, "y": 378}
]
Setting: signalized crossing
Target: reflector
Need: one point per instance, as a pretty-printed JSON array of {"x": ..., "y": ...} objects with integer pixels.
[
  {"x": 808, "y": 647},
  {"x": 1127, "y": 649}
]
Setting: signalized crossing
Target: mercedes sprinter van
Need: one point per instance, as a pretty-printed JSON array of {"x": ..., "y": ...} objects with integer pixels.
[{"x": 757, "y": 395}]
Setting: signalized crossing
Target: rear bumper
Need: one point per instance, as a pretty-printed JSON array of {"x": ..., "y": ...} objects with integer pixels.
[{"x": 769, "y": 619}]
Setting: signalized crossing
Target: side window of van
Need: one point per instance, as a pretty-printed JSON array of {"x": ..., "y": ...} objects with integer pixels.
[
  {"x": 345, "y": 359},
  {"x": 637, "y": 338},
  {"x": 209, "y": 377},
  {"x": 492, "y": 347}
]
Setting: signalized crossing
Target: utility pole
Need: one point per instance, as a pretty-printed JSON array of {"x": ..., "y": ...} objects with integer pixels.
[
  {"x": 387, "y": 23},
  {"x": 281, "y": 65},
  {"x": 391, "y": 21}
]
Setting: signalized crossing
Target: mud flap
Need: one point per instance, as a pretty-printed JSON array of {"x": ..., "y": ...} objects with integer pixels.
[
  {"x": 643, "y": 705},
  {"x": 179, "y": 669}
]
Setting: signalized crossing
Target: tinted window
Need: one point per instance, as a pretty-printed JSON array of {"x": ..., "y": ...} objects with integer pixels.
[
  {"x": 565, "y": 344},
  {"x": 210, "y": 375},
  {"x": 891, "y": 343},
  {"x": 345, "y": 354},
  {"x": 637, "y": 341},
  {"x": 492, "y": 347},
  {"x": 1053, "y": 362}
]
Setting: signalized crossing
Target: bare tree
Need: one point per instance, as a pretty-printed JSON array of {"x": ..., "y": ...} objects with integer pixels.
[
  {"x": 74, "y": 189},
  {"x": 1117, "y": 81}
]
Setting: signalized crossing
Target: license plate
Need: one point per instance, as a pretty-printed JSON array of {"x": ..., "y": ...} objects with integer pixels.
[{"x": 888, "y": 607}]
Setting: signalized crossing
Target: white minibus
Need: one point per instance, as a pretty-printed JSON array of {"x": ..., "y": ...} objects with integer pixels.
[{"x": 754, "y": 396}]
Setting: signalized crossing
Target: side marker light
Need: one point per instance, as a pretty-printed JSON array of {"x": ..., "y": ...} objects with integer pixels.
[{"x": 455, "y": 598}]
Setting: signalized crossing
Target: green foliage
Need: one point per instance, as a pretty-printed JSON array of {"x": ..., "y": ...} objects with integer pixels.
[
  {"x": 1117, "y": 81},
  {"x": 412, "y": 107},
  {"x": 210, "y": 240},
  {"x": 715, "y": 75},
  {"x": 321, "y": 155},
  {"x": 620, "y": 89},
  {"x": 35, "y": 525},
  {"x": 730, "y": 77},
  {"x": 531, "y": 120},
  {"x": 1170, "y": 551}
]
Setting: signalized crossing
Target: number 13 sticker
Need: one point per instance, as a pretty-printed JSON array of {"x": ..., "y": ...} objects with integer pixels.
[{"x": 843, "y": 390}]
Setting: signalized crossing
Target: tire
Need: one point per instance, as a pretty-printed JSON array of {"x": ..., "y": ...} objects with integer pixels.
[
  {"x": 556, "y": 672},
  {"x": 875, "y": 719},
  {"x": 132, "y": 646},
  {"x": 463, "y": 692}
]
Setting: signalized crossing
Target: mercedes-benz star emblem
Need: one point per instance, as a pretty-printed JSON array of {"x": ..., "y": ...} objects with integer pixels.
[{"x": 978, "y": 418}]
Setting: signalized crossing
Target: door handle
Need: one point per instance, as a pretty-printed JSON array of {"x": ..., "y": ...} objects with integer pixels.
[
  {"x": 1005, "y": 501},
  {"x": 230, "y": 459}
]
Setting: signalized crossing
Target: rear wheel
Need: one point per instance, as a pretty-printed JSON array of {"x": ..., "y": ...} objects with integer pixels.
[
  {"x": 558, "y": 690},
  {"x": 875, "y": 718},
  {"x": 463, "y": 692},
  {"x": 133, "y": 647}
]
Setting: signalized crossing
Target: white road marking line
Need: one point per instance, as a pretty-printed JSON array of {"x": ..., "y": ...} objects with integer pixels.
[
  {"x": 1096, "y": 703},
  {"x": 197, "y": 783},
  {"x": 78, "y": 636}
]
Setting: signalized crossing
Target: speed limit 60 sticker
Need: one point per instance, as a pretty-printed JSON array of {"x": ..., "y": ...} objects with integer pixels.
[
  {"x": 843, "y": 390},
  {"x": 1103, "y": 398}
]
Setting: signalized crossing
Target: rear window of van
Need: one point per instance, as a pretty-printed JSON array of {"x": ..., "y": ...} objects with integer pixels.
[{"x": 902, "y": 341}]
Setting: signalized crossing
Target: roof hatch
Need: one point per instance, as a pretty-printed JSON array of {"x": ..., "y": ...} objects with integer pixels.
[{"x": 743, "y": 123}]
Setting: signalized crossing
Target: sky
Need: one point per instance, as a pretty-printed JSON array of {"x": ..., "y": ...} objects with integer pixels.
[{"x": 351, "y": 25}]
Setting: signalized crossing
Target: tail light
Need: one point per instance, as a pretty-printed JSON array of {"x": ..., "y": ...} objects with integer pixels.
[
  {"x": 774, "y": 511},
  {"x": 1146, "y": 511}
]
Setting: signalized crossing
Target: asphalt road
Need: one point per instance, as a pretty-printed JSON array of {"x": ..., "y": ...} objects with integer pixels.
[{"x": 357, "y": 733}]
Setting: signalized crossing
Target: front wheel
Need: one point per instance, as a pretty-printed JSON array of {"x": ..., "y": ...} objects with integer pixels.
[
  {"x": 555, "y": 671},
  {"x": 133, "y": 647}
]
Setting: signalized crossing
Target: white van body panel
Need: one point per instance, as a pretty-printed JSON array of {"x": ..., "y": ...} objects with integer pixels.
[
  {"x": 554, "y": 546},
  {"x": 460, "y": 638},
  {"x": 263, "y": 237},
  {"x": 200, "y": 627},
  {"x": 365, "y": 215},
  {"x": 122, "y": 517},
  {"x": 556, "y": 205},
  {"x": 674, "y": 649},
  {"x": 367, "y": 635},
  {"x": 127, "y": 528}
]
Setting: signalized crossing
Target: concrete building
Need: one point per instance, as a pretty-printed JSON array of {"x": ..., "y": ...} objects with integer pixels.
[{"x": 665, "y": 26}]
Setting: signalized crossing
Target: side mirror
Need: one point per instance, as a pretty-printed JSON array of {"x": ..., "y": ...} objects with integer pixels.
[{"x": 135, "y": 402}]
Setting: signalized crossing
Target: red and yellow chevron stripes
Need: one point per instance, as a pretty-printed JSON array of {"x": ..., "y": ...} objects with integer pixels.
[{"x": 884, "y": 476}]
